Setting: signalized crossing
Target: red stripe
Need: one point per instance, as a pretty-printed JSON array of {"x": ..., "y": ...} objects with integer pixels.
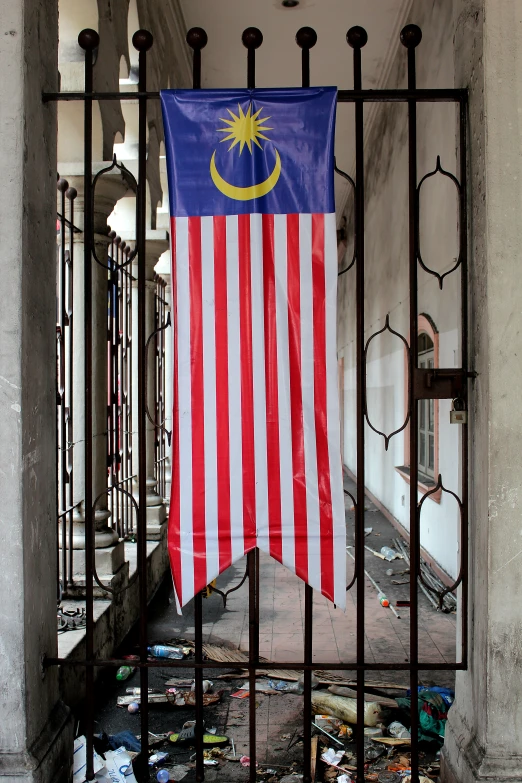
[
  {"x": 296, "y": 397},
  {"x": 247, "y": 383},
  {"x": 321, "y": 430},
  {"x": 222, "y": 409},
  {"x": 197, "y": 404},
  {"x": 271, "y": 383},
  {"x": 174, "y": 511}
]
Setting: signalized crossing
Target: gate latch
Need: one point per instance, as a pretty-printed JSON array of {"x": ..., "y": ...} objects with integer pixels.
[{"x": 440, "y": 384}]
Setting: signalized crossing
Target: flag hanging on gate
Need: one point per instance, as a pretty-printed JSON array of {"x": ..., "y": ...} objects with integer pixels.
[{"x": 255, "y": 449}]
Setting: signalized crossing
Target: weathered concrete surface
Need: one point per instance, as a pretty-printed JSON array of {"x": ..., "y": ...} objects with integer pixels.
[
  {"x": 483, "y": 737},
  {"x": 113, "y": 619},
  {"x": 35, "y": 732}
]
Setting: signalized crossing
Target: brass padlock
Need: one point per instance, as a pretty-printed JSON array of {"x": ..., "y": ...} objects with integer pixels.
[{"x": 458, "y": 413}]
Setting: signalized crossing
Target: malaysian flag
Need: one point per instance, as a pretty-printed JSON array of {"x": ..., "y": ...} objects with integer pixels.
[{"x": 256, "y": 451}]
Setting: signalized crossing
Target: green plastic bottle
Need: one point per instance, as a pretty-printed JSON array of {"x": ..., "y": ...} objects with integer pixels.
[{"x": 124, "y": 672}]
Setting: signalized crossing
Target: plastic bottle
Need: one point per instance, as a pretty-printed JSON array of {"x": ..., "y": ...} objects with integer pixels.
[
  {"x": 389, "y": 553},
  {"x": 124, "y": 672},
  {"x": 163, "y": 776},
  {"x": 165, "y": 651},
  {"x": 383, "y": 600},
  {"x": 396, "y": 729}
]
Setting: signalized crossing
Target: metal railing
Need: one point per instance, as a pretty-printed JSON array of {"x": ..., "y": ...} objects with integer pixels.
[
  {"x": 120, "y": 388},
  {"x": 65, "y": 230},
  {"x": 447, "y": 384}
]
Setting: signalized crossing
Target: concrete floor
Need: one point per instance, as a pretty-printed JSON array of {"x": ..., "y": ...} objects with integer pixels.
[{"x": 281, "y": 639}]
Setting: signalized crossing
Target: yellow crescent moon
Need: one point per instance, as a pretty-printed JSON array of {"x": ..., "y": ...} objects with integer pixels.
[{"x": 251, "y": 191}]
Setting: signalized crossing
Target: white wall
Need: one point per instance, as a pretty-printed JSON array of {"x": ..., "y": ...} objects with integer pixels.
[{"x": 386, "y": 284}]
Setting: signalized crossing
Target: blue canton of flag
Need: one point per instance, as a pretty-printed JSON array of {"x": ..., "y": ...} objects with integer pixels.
[{"x": 251, "y": 141}]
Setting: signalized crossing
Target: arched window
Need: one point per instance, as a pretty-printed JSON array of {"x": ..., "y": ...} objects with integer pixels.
[
  {"x": 426, "y": 411},
  {"x": 428, "y": 420}
]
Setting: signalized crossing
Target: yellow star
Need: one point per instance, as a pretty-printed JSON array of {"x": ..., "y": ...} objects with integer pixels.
[{"x": 244, "y": 129}]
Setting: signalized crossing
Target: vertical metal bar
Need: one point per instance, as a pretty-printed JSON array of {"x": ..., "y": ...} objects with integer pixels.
[
  {"x": 130, "y": 393},
  {"x": 88, "y": 40},
  {"x": 61, "y": 381},
  {"x": 197, "y": 40},
  {"x": 357, "y": 38},
  {"x": 252, "y": 39},
  {"x": 253, "y": 652},
  {"x": 142, "y": 41},
  {"x": 198, "y": 685},
  {"x": 71, "y": 195},
  {"x": 410, "y": 37},
  {"x": 464, "y": 544},
  {"x": 306, "y": 38}
]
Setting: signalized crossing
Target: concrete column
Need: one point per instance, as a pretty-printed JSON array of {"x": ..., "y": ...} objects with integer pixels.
[
  {"x": 157, "y": 243},
  {"x": 485, "y": 724},
  {"x": 109, "y": 551},
  {"x": 36, "y": 737}
]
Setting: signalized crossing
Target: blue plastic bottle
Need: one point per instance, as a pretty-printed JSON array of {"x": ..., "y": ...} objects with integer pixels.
[{"x": 165, "y": 651}]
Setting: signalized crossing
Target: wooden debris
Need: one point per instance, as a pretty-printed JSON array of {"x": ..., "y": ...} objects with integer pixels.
[{"x": 392, "y": 740}]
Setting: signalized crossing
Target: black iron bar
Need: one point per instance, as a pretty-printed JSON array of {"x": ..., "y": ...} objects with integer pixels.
[
  {"x": 252, "y": 39},
  {"x": 410, "y": 37},
  {"x": 306, "y": 38},
  {"x": 142, "y": 41},
  {"x": 307, "y": 682},
  {"x": 357, "y": 38},
  {"x": 292, "y": 666},
  {"x": 464, "y": 543},
  {"x": 88, "y": 40},
  {"x": 71, "y": 194},
  {"x": 197, "y": 40},
  {"x": 63, "y": 185},
  {"x": 343, "y": 96},
  {"x": 253, "y": 652},
  {"x": 198, "y": 651}
]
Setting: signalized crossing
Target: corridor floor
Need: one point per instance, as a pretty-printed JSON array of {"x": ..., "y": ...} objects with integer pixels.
[{"x": 281, "y": 639}]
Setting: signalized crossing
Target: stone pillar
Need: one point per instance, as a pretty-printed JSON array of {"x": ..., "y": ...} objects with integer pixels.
[
  {"x": 484, "y": 726},
  {"x": 157, "y": 243},
  {"x": 36, "y": 733},
  {"x": 109, "y": 555}
]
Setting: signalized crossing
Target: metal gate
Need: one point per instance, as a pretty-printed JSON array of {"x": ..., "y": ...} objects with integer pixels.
[{"x": 422, "y": 384}]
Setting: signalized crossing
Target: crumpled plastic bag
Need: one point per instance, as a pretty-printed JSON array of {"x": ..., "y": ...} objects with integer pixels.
[{"x": 118, "y": 768}]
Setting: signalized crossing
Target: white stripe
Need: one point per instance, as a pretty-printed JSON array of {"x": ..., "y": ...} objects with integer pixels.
[
  {"x": 234, "y": 390},
  {"x": 185, "y": 411},
  {"x": 332, "y": 405},
  {"x": 283, "y": 378},
  {"x": 209, "y": 397},
  {"x": 258, "y": 366},
  {"x": 307, "y": 375}
]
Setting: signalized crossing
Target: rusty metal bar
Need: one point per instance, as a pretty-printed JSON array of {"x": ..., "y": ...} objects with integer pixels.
[
  {"x": 410, "y": 38},
  {"x": 89, "y": 41},
  {"x": 343, "y": 96},
  {"x": 357, "y": 37},
  {"x": 464, "y": 360},
  {"x": 142, "y": 41},
  {"x": 291, "y": 665},
  {"x": 306, "y": 38}
]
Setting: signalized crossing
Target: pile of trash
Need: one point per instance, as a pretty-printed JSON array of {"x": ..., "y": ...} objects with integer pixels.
[{"x": 387, "y": 738}]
